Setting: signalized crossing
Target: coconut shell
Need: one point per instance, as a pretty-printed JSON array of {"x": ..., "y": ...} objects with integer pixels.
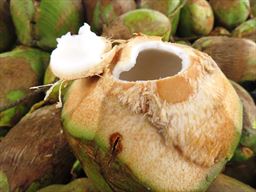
[
  {"x": 145, "y": 21},
  {"x": 20, "y": 69},
  {"x": 246, "y": 30},
  {"x": 152, "y": 135},
  {"x": 39, "y": 23},
  {"x": 231, "y": 13},
  {"x": 196, "y": 18},
  {"x": 7, "y": 33},
  {"x": 234, "y": 56}
]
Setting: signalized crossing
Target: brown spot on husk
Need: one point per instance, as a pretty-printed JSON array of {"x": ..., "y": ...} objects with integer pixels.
[
  {"x": 115, "y": 143},
  {"x": 178, "y": 89}
]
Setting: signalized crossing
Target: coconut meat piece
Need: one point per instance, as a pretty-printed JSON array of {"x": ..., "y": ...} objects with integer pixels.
[
  {"x": 78, "y": 56},
  {"x": 150, "y": 60}
]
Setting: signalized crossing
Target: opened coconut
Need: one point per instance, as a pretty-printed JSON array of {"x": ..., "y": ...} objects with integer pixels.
[{"x": 156, "y": 116}]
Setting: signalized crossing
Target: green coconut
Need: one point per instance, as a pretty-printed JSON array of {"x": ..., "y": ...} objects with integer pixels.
[
  {"x": 171, "y": 8},
  {"x": 196, "y": 18},
  {"x": 39, "y": 23},
  {"x": 124, "y": 122},
  {"x": 7, "y": 33},
  {"x": 246, "y": 30},
  {"x": 234, "y": 56},
  {"x": 247, "y": 145},
  {"x": 21, "y": 69},
  {"x": 102, "y": 12},
  {"x": 78, "y": 185},
  {"x": 145, "y": 21},
  {"x": 231, "y": 13}
]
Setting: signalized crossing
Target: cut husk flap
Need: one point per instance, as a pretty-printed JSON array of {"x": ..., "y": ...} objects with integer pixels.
[{"x": 137, "y": 128}]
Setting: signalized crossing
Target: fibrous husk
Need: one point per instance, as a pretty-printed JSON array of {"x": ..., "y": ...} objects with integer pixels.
[
  {"x": 196, "y": 18},
  {"x": 7, "y": 33},
  {"x": 35, "y": 153},
  {"x": 234, "y": 56},
  {"x": 170, "y": 8},
  {"x": 103, "y": 12},
  {"x": 173, "y": 132},
  {"x": 246, "y": 30},
  {"x": 78, "y": 185},
  {"x": 145, "y": 21},
  {"x": 20, "y": 69},
  {"x": 39, "y": 23},
  {"x": 231, "y": 13},
  {"x": 224, "y": 183},
  {"x": 247, "y": 144}
]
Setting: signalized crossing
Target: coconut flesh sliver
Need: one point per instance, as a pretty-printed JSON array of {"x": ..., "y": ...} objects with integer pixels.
[{"x": 75, "y": 55}]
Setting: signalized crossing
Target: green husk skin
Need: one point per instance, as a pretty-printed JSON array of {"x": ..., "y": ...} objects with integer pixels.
[
  {"x": 196, "y": 18},
  {"x": 144, "y": 21},
  {"x": 103, "y": 12},
  {"x": 35, "y": 153},
  {"x": 246, "y": 30},
  {"x": 247, "y": 145},
  {"x": 231, "y": 13},
  {"x": 78, "y": 185},
  {"x": 253, "y": 8},
  {"x": 226, "y": 51},
  {"x": 4, "y": 185},
  {"x": 39, "y": 23},
  {"x": 7, "y": 34},
  {"x": 21, "y": 69},
  {"x": 171, "y": 8},
  {"x": 224, "y": 183}
]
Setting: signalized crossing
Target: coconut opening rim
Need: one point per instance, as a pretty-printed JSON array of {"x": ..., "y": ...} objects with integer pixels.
[{"x": 128, "y": 62}]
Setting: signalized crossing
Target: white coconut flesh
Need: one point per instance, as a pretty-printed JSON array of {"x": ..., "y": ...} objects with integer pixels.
[
  {"x": 169, "y": 142},
  {"x": 151, "y": 60},
  {"x": 78, "y": 56}
]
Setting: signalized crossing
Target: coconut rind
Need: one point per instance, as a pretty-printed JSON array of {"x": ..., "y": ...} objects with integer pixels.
[
  {"x": 82, "y": 135},
  {"x": 101, "y": 112}
]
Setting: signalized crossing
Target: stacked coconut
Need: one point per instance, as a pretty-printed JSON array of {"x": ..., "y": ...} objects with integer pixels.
[{"x": 141, "y": 105}]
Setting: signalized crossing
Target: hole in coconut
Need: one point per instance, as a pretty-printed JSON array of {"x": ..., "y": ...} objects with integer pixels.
[{"x": 153, "y": 64}]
